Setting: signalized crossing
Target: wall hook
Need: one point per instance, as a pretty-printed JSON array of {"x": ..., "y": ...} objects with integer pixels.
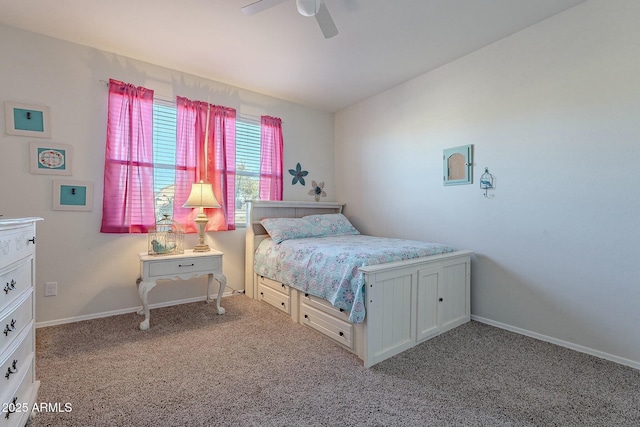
[{"x": 486, "y": 181}]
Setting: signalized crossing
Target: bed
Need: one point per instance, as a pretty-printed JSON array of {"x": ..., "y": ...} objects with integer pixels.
[{"x": 388, "y": 296}]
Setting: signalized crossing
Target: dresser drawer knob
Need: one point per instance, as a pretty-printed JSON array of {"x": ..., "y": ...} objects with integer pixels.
[
  {"x": 12, "y": 407},
  {"x": 33, "y": 240},
  {"x": 10, "y": 286},
  {"x": 9, "y": 327},
  {"x": 341, "y": 333},
  {"x": 12, "y": 369}
]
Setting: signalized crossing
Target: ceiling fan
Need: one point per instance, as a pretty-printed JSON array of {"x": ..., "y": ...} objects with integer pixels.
[{"x": 315, "y": 8}]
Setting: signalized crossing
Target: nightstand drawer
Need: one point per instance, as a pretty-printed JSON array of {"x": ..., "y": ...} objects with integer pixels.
[
  {"x": 185, "y": 265},
  {"x": 14, "y": 282}
]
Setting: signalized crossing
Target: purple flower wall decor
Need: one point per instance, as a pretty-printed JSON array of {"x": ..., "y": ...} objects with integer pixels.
[
  {"x": 298, "y": 175},
  {"x": 317, "y": 190}
]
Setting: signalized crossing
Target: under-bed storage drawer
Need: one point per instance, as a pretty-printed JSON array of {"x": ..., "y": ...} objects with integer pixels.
[
  {"x": 327, "y": 324},
  {"x": 275, "y": 298},
  {"x": 325, "y": 306},
  {"x": 276, "y": 286}
]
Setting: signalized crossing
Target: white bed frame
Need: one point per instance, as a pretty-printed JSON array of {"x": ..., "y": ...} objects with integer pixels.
[{"x": 407, "y": 302}]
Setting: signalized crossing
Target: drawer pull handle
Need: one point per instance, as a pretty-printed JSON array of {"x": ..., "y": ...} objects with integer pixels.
[
  {"x": 341, "y": 333},
  {"x": 306, "y": 295},
  {"x": 306, "y": 317},
  {"x": 342, "y": 310},
  {"x": 12, "y": 369},
  {"x": 261, "y": 294},
  {"x": 185, "y": 265},
  {"x": 282, "y": 303},
  {"x": 32, "y": 240},
  {"x": 13, "y": 405},
  {"x": 440, "y": 300},
  {"x": 10, "y": 327},
  {"x": 10, "y": 286}
]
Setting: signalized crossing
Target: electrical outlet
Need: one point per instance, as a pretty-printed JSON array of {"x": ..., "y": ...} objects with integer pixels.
[{"x": 50, "y": 289}]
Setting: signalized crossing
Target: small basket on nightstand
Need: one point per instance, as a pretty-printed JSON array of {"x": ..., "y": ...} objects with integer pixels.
[{"x": 166, "y": 238}]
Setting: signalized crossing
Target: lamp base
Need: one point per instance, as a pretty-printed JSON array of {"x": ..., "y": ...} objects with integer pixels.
[{"x": 201, "y": 248}]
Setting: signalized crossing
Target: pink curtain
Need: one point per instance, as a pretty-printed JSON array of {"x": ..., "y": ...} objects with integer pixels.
[
  {"x": 128, "y": 200},
  {"x": 271, "y": 151},
  {"x": 190, "y": 141},
  {"x": 221, "y": 166},
  {"x": 212, "y": 160}
]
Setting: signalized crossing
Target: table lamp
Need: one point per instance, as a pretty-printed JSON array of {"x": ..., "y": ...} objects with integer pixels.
[{"x": 201, "y": 196}]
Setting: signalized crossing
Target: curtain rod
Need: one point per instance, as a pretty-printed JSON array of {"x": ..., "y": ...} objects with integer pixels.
[{"x": 169, "y": 99}]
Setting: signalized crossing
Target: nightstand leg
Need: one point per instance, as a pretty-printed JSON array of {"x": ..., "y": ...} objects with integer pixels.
[
  {"x": 143, "y": 290},
  {"x": 222, "y": 280}
]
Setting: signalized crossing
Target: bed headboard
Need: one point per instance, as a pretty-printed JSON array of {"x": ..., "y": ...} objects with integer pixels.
[{"x": 260, "y": 209}]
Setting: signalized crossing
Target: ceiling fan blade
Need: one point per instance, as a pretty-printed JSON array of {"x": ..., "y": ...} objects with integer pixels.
[
  {"x": 325, "y": 22},
  {"x": 260, "y": 5}
]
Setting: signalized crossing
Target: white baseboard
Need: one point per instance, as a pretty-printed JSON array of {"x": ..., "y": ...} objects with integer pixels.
[
  {"x": 561, "y": 343},
  {"x": 125, "y": 311}
]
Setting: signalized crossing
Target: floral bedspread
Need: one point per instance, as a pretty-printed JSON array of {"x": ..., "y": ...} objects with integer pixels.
[{"x": 327, "y": 267}]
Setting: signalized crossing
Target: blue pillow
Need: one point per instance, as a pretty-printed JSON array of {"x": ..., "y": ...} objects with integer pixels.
[{"x": 281, "y": 229}]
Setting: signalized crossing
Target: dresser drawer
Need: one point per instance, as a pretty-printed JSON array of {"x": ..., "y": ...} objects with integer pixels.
[
  {"x": 14, "y": 282},
  {"x": 16, "y": 408},
  {"x": 274, "y": 298},
  {"x": 324, "y": 306},
  {"x": 276, "y": 286},
  {"x": 17, "y": 243},
  {"x": 169, "y": 267},
  {"x": 16, "y": 317},
  {"x": 328, "y": 325},
  {"x": 16, "y": 360}
]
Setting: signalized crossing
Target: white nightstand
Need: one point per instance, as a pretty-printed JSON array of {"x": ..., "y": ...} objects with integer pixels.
[{"x": 183, "y": 266}]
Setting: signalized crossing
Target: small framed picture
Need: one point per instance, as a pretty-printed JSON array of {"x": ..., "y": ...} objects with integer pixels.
[
  {"x": 72, "y": 195},
  {"x": 50, "y": 159},
  {"x": 27, "y": 120},
  {"x": 458, "y": 165}
]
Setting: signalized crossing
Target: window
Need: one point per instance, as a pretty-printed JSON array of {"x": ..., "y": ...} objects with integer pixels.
[
  {"x": 247, "y": 164},
  {"x": 156, "y": 149},
  {"x": 164, "y": 155}
]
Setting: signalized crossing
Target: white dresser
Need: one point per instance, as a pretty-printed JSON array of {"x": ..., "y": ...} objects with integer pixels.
[{"x": 18, "y": 385}]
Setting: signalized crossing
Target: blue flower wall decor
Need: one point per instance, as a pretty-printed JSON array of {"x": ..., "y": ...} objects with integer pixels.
[{"x": 298, "y": 175}]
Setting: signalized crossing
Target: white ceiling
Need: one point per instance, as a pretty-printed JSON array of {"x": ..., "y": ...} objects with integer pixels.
[{"x": 280, "y": 53}]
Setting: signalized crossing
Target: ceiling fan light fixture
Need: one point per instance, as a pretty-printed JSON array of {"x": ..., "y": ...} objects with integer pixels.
[{"x": 308, "y": 7}]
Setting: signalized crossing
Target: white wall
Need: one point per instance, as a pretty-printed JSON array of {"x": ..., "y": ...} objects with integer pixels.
[
  {"x": 96, "y": 272},
  {"x": 554, "y": 113}
]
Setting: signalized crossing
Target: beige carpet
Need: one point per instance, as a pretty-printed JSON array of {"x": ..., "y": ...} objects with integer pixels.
[{"x": 254, "y": 367}]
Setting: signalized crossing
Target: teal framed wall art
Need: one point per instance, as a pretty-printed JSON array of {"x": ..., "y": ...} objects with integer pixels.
[
  {"x": 27, "y": 120},
  {"x": 72, "y": 195}
]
